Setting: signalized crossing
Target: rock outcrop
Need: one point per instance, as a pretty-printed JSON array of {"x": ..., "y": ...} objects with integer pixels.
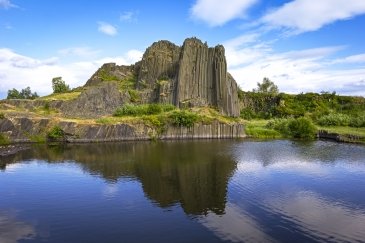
[
  {"x": 203, "y": 78},
  {"x": 28, "y": 129},
  {"x": 96, "y": 101},
  {"x": 188, "y": 76}
]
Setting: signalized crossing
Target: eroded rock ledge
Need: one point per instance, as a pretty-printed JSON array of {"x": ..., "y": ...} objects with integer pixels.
[{"x": 33, "y": 129}]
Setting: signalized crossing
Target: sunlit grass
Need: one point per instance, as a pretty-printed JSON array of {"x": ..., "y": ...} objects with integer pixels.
[
  {"x": 62, "y": 96},
  {"x": 342, "y": 130}
]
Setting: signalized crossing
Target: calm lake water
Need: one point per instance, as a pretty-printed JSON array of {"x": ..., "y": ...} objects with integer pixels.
[{"x": 184, "y": 191}]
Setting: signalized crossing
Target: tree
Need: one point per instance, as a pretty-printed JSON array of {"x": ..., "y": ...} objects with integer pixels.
[
  {"x": 59, "y": 86},
  {"x": 13, "y": 94},
  {"x": 23, "y": 94},
  {"x": 267, "y": 86}
]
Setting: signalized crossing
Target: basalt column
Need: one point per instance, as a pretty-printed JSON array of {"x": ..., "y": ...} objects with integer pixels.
[{"x": 203, "y": 79}]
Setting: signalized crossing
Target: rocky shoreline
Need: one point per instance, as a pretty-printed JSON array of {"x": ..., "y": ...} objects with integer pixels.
[
  {"x": 6, "y": 150},
  {"x": 340, "y": 138}
]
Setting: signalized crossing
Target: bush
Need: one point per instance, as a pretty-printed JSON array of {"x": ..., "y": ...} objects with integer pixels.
[
  {"x": 183, "y": 118},
  {"x": 302, "y": 128},
  {"x": 357, "y": 121},
  {"x": 298, "y": 128},
  {"x": 131, "y": 110},
  {"x": 2, "y": 115},
  {"x": 4, "y": 140},
  {"x": 335, "y": 119},
  {"x": 55, "y": 133},
  {"x": 247, "y": 114},
  {"x": 280, "y": 125},
  {"x": 134, "y": 94}
]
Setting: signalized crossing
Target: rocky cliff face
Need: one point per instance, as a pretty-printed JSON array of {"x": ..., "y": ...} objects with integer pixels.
[
  {"x": 203, "y": 78},
  {"x": 187, "y": 76}
]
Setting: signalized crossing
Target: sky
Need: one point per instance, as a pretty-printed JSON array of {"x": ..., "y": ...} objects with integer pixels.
[{"x": 301, "y": 45}]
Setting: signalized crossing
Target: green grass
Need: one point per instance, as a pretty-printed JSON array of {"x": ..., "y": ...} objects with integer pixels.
[
  {"x": 38, "y": 138},
  {"x": 260, "y": 132},
  {"x": 343, "y": 130},
  {"x": 128, "y": 83},
  {"x": 145, "y": 109},
  {"x": 263, "y": 129},
  {"x": 258, "y": 129},
  {"x": 62, "y": 96}
]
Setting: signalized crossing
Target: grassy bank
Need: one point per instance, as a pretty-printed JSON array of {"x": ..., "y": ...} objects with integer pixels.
[{"x": 278, "y": 128}]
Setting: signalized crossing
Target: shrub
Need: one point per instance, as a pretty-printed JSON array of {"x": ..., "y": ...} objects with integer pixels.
[
  {"x": 131, "y": 110},
  {"x": 55, "y": 133},
  {"x": 302, "y": 128},
  {"x": 183, "y": 118},
  {"x": 2, "y": 115},
  {"x": 4, "y": 140},
  {"x": 280, "y": 125},
  {"x": 247, "y": 114},
  {"x": 153, "y": 109},
  {"x": 298, "y": 128},
  {"x": 357, "y": 121},
  {"x": 134, "y": 94},
  {"x": 334, "y": 119}
]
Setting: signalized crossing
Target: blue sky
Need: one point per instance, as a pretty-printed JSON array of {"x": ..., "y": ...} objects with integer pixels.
[{"x": 302, "y": 45}]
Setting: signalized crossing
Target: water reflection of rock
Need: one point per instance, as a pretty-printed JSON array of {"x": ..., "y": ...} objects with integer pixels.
[{"x": 192, "y": 173}]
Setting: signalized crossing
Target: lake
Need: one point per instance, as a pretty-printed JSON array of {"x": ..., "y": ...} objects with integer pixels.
[{"x": 184, "y": 191}]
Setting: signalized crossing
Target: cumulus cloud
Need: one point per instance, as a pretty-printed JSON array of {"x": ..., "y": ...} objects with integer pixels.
[
  {"x": 307, "y": 15},
  {"x": 307, "y": 70},
  {"x": 217, "y": 12},
  {"x": 7, "y": 4},
  {"x": 19, "y": 71},
  {"x": 107, "y": 29},
  {"x": 359, "y": 58}
]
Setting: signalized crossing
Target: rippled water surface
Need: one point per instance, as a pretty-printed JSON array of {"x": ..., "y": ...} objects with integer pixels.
[{"x": 184, "y": 191}]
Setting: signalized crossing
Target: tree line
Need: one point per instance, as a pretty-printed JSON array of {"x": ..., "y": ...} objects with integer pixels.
[{"x": 58, "y": 86}]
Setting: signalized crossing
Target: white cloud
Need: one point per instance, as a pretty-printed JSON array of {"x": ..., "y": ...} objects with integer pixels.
[
  {"x": 107, "y": 28},
  {"x": 18, "y": 71},
  {"x": 79, "y": 51},
  {"x": 128, "y": 16},
  {"x": 7, "y": 4},
  {"x": 134, "y": 56},
  {"x": 308, "y": 70},
  {"x": 359, "y": 58},
  {"x": 217, "y": 12},
  {"x": 307, "y": 15}
]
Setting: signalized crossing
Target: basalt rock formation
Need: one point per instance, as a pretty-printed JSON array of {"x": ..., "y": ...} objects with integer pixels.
[
  {"x": 192, "y": 75},
  {"x": 187, "y": 76}
]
